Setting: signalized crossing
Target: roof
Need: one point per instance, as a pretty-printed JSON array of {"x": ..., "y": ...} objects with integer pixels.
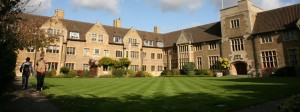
[
  {"x": 208, "y": 32},
  {"x": 201, "y": 33},
  {"x": 277, "y": 19},
  {"x": 76, "y": 26}
]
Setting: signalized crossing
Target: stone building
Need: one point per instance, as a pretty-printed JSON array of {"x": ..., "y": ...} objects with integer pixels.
[{"x": 252, "y": 39}]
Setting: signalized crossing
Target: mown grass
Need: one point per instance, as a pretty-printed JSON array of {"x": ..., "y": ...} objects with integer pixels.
[{"x": 162, "y": 94}]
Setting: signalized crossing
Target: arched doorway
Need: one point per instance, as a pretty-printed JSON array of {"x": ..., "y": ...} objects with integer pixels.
[{"x": 239, "y": 68}]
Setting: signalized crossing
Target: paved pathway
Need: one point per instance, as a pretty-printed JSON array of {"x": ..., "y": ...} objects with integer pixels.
[
  {"x": 271, "y": 106},
  {"x": 29, "y": 100}
]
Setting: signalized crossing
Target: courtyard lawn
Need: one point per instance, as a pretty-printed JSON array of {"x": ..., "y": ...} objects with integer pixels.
[{"x": 161, "y": 94}]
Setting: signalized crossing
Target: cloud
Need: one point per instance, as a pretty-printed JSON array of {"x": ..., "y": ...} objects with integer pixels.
[
  {"x": 264, "y": 4},
  {"x": 272, "y": 4},
  {"x": 175, "y": 5},
  {"x": 37, "y": 6},
  {"x": 107, "y": 5}
]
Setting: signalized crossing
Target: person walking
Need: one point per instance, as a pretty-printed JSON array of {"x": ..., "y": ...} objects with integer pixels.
[
  {"x": 26, "y": 69},
  {"x": 41, "y": 67}
]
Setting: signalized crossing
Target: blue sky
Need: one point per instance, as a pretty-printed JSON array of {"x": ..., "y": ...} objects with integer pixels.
[{"x": 169, "y": 15}]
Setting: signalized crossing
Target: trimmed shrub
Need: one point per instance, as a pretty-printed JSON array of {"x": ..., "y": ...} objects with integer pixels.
[
  {"x": 166, "y": 72},
  {"x": 50, "y": 73},
  {"x": 106, "y": 76},
  {"x": 191, "y": 73},
  {"x": 64, "y": 70},
  {"x": 286, "y": 71},
  {"x": 208, "y": 72},
  {"x": 87, "y": 74},
  {"x": 199, "y": 72},
  {"x": 72, "y": 73},
  {"x": 143, "y": 74},
  {"x": 119, "y": 72},
  {"x": 188, "y": 67},
  {"x": 292, "y": 105},
  {"x": 131, "y": 73},
  {"x": 175, "y": 71}
]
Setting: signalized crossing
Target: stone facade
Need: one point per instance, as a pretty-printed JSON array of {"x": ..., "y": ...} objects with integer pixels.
[{"x": 240, "y": 35}]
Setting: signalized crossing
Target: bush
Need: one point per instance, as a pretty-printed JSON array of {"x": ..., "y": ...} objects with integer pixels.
[
  {"x": 143, "y": 74},
  {"x": 64, "y": 70},
  {"x": 119, "y": 72},
  {"x": 175, "y": 71},
  {"x": 191, "y": 73},
  {"x": 268, "y": 72},
  {"x": 106, "y": 76},
  {"x": 50, "y": 73},
  {"x": 72, "y": 73},
  {"x": 131, "y": 73},
  {"x": 204, "y": 72},
  {"x": 286, "y": 71},
  {"x": 166, "y": 72},
  {"x": 292, "y": 105},
  {"x": 87, "y": 74},
  {"x": 188, "y": 67}
]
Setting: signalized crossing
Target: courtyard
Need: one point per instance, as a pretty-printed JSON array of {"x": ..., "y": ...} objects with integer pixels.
[{"x": 161, "y": 94}]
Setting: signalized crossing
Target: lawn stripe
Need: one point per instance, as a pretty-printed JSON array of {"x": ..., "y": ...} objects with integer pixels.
[
  {"x": 143, "y": 88},
  {"x": 116, "y": 91}
]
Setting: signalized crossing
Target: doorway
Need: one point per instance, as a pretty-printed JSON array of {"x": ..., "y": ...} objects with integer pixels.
[{"x": 239, "y": 68}]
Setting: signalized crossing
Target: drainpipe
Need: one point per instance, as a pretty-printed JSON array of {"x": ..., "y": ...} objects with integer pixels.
[{"x": 255, "y": 54}]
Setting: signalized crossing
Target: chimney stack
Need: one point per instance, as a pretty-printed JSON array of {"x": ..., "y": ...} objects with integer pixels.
[
  {"x": 59, "y": 13},
  {"x": 117, "y": 23},
  {"x": 156, "y": 29}
]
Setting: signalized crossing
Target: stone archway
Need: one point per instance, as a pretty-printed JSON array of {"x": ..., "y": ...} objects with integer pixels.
[{"x": 239, "y": 68}]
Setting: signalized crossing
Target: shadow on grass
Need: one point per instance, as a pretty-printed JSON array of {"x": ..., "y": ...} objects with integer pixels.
[{"x": 185, "y": 102}]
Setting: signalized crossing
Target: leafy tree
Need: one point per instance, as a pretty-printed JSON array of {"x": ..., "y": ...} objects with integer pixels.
[
  {"x": 124, "y": 62},
  {"x": 106, "y": 61}
]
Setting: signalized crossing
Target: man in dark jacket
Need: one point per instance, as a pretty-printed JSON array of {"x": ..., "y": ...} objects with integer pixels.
[{"x": 26, "y": 69}]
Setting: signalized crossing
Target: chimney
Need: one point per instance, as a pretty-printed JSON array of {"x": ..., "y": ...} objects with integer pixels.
[
  {"x": 117, "y": 23},
  {"x": 156, "y": 29},
  {"x": 59, "y": 13}
]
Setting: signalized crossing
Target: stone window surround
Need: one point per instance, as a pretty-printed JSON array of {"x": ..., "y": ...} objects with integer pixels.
[
  {"x": 270, "y": 50},
  {"x": 235, "y": 23}
]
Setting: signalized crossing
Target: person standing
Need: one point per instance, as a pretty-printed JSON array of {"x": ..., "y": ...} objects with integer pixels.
[
  {"x": 26, "y": 69},
  {"x": 41, "y": 67}
]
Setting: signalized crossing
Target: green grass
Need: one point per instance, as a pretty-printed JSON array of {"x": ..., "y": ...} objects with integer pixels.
[{"x": 161, "y": 94}]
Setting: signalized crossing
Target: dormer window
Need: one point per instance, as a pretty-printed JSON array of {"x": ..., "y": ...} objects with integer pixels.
[
  {"x": 148, "y": 42},
  {"x": 74, "y": 35},
  {"x": 160, "y": 44},
  {"x": 235, "y": 23},
  {"x": 118, "y": 40}
]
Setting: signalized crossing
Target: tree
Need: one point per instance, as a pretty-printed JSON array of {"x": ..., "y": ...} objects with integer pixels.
[
  {"x": 10, "y": 41},
  {"x": 124, "y": 62},
  {"x": 106, "y": 61},
  {"x": 225, "y": 64}
]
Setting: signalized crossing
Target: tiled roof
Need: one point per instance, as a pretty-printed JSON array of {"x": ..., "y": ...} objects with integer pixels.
[
  {"x": 76, "y": 26},
  {"x": 208, "y": 32},
  {"x": 277, "y": 19},
  {"x": 155, "y": 37}
]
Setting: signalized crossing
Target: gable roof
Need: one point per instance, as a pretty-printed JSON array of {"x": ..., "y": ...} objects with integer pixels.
[
  {"x": 76, "y": 26},
  {"x": 277, "y": 19},
  {"x": 208, "y": 32}
]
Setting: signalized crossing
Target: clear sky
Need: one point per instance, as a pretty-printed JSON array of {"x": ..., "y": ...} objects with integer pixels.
[{"x": 169, "y": 15}]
